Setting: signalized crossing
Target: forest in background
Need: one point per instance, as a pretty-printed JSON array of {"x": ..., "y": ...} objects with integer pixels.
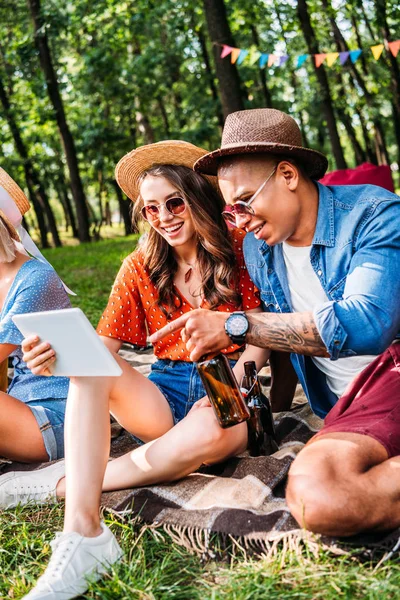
[{"x": 82, "y": 82}]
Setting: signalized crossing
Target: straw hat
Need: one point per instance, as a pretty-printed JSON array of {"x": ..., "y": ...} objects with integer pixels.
[
  {"x": 18, "y": 196},
  {"x": 263, "y": 130},
  {"x": 168, "y": 152}
]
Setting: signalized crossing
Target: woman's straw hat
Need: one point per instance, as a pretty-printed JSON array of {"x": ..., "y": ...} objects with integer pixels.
[
  {"x": 265, "y": 131},
  {"x": 168, "y": 152},
  {"x": 19, "y": 198}
]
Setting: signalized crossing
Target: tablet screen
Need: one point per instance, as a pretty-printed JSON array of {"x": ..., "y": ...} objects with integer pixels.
[{"x": 79, "y": 350}]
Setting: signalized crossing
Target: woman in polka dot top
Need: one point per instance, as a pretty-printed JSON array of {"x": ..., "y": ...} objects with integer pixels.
[{"x": 188, "y": 260}]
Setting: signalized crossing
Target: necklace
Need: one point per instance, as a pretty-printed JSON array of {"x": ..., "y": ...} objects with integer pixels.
[{"x": 189, "y": 272}]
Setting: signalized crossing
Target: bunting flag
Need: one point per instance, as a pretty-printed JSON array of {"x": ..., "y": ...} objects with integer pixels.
[
  {"x": 235, "y": 55},
  {"x": 239, "y": 55},
  {"x": 319, "y": 59},
  {"x": 272, "y": 58},
  {"x": 354, "y": 54},
  {"x": 254, "y": 56},
  {"x": 343, "y": 56},
  {"x": 301, "y": 60},
  {"x": 263, "y": 60},
  {"x": 331, "y": 58},
  {"x": 226, "y": 50},
  {"x": 242, "y": 56},
  {"x": 394, "y": 47},
  {"x": 377, "y": 51}
]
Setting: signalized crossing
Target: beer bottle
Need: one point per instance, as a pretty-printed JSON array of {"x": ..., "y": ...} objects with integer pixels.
[
  {"x": 223, "y": 391},
  {"x": 261, "y": 428}
]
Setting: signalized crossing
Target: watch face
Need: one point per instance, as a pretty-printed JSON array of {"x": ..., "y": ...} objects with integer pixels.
[{"x": 237, "y": 325}]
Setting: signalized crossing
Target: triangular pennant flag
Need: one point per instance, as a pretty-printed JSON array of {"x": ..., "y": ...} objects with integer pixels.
[
  {"x": 226, "y": 50},
  {"x": 343, "y": 56},
  {"x": 331, "y": 57},
  {"x": 394, "y": 47},
  {"x": 354, "y": 55},
  {"x": 263, "y": 60},
  {"x": 301, "y": 60},
  {"x": 272, "y": 59},
  {"x": 283, "y": 59},
  {"x": 254, "y": 56},
  {"x": 319, "y": 59},
  {"x": 377, "y": 50},
  {"x": 235, "y": 55},
  {"x": 242, "y": 56}
]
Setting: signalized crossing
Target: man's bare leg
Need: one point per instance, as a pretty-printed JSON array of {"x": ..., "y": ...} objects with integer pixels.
[{"x": 344, "y": 483}]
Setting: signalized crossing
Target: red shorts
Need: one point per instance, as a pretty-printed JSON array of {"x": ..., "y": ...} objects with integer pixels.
[{"x": 371, "y": 404}]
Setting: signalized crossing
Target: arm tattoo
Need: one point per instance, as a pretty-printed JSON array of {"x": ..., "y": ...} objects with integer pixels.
[{"x": 289, "y": 332}]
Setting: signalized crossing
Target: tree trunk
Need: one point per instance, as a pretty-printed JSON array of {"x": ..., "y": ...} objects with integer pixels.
[
  {"x": 227, "y": 75},
  {"x": 36, "y": 190},
  {"x": 263, "y": 79},
  {"x": 393, "y": 68},
  {"x": 323, "y": 83},
  {"x": 57, "y": 103},
  {"x": 125, "y": 209},
  {"x": 381, "y": 150},
  {"x": 164, "y": 115},
  {"x": 66, "y": 200},
  {"x": 210, "y": 74}
]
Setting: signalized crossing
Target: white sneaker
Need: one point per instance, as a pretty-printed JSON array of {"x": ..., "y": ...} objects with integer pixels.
[
  {"x": 75, "y": 559},
  {"x": 38, "y": 487}
]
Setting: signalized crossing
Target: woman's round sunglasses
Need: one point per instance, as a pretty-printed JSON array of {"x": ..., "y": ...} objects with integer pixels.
[
  {"x": 175, "y": 206},
  {"x": 241, "y": 207}
]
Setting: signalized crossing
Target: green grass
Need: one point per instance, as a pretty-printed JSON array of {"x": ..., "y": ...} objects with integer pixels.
[
  {"x": 89, "y": 270},
  {"x": 154, "y": 567}
]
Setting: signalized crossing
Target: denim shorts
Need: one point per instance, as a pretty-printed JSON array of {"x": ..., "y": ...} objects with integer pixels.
[
  {"x": 180, "y": 383},
  {"x": 50, "y": 414}
]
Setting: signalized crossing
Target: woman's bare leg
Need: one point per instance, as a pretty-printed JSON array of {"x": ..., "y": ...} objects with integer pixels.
[
  {"x": 136, "y": 402},
  {"x": 197, "y": 439},
  {"x": 20, "y": 435}
]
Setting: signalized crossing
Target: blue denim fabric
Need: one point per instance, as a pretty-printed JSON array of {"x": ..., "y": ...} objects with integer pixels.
[
  {"x": 356, "y": 256},
  {"x": 180, "y": 383},
  {"x": 49, "y": 414}
]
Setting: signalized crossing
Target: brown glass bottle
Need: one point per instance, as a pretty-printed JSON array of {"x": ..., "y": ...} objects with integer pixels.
[
  {"x": 223, "y": 391},
  {"x": 261, "y": 428}
]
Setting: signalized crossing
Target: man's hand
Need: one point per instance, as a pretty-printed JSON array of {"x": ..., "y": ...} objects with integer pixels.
[
  {"x": 203, "y": 332},
  {"x": 39, "y": 356}
]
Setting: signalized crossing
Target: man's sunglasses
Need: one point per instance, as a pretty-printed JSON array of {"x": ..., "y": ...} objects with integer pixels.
[
  {"x": 175, "y": 206},
  {"x": 242, "y": 208}
]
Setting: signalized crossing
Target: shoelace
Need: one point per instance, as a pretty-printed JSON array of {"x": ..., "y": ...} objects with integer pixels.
[
  {"x": 34, "y": 492},
  {"x": 61, "y": 551}
]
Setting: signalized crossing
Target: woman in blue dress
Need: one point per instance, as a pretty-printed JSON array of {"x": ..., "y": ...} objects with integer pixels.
[{"x": 32, "y": 410}]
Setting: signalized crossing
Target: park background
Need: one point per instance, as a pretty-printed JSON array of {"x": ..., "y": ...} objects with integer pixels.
[{"x": 82, "y": 82}]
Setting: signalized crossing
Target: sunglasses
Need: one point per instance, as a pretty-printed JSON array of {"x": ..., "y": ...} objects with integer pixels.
[
  {"x": 174, "y": 206},
  {"x": 242, "y": 208}
]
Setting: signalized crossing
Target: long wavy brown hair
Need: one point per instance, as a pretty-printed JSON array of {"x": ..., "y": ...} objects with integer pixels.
[{"x": 215, "y": 254}]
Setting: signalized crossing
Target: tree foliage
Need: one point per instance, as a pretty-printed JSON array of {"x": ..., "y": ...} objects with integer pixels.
[{"x": 133, "y": 72}]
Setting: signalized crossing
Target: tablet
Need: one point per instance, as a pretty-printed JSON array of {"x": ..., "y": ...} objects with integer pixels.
[{"x": 79, "y": 350}]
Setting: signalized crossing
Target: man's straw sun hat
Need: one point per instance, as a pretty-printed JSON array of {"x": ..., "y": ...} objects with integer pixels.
[
  {"x": 264, "y": 131},
  {"x": 169, "y": 152},
  {"x": 19, "y": 198}
]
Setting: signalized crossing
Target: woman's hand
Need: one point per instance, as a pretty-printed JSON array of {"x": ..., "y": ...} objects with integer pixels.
[
  {"x": 39, "y": 356},
  {"x": 202, "y": 403}
]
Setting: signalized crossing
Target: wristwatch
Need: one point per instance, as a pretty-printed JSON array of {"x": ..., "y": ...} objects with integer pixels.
[{"x": 236, "y": 327}]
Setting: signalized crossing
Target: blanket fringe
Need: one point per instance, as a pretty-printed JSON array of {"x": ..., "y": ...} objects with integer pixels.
[{"x": 210, "y": 545}]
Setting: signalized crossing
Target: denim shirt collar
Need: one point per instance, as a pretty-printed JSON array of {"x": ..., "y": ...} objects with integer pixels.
[{"x": 324, "y": 234}]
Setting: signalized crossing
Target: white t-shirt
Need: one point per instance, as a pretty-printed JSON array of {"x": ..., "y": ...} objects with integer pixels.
[{"x": 306, "y": 294}]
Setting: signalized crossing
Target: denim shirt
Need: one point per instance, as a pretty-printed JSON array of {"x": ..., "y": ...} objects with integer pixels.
[{"x": 355, "y": 254}]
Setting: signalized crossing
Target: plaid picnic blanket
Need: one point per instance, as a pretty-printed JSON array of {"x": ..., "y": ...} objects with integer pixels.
[
  {"x": 241, "y": 500},
  {"x": 239, "y": 504}
]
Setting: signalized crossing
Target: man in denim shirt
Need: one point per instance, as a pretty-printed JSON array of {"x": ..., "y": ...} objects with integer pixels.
[{"x": 326, "y": 261}]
